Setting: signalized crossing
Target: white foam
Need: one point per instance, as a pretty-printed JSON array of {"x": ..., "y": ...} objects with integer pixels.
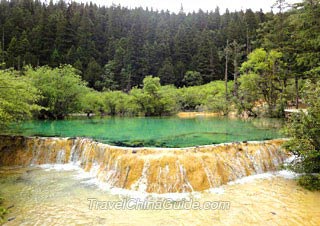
[
  {"x": 59, "y": 167},
  {"x": 123, "y": 193},
  {"x": 290, "y": 159},
  {"x": 89, "y": 178},
  {"x": 178, "y": 196},
  {"x": 83, "y": 175},
  {"x": 218, "y": 190},
  {"x": 251, "y": 178},
  {"x": 287, "y": 174}
]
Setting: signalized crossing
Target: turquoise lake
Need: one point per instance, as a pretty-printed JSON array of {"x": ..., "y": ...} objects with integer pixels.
[{"x": 155, "y": 132}]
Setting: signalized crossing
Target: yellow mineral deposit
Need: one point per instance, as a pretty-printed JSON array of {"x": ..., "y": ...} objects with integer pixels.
[
  {"x": 153, "y": 170},
  {"x": 197, "y": 114}
]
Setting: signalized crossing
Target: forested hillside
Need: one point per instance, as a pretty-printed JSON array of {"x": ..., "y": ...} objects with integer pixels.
[
  {"x": 116, "y": 47},
  {"x": 269, "y": 57}
]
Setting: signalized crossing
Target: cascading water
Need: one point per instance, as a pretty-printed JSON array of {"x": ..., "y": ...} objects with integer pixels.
[{"x": 152, "y": 170}]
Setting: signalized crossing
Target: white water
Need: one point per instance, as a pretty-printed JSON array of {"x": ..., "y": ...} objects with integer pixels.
[{"x": 90, "y": 178}]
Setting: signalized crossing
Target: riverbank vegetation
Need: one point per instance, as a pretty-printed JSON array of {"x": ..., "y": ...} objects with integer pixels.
[
  {"x": 3, "y": 211},
  {"x": 18, "y": 97},
  {"x": 54, "y": 93},
  {"x": 304, "y": 128},
  {"x": 58, "y": 59}
]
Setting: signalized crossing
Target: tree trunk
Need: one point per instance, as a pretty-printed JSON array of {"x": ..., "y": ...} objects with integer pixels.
[
  {"x": 248, "y": 42},
  {"x": 297, "y": 90},
  {"x": 226, "y": 77},
  {"x": 235, "y": 76},
  {"x": 19, "y": 63},
  {"x": 226, "y": 72}
]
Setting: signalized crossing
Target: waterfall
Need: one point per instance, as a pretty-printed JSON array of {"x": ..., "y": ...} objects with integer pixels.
[{"x": 154, "y": 170}]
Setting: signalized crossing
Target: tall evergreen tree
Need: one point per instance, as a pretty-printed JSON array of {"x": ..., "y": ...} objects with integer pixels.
[{"x": 139, "y": 42}]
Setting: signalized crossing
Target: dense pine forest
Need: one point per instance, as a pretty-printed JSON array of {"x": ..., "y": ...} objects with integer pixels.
[{"x": 115, "y": 47}]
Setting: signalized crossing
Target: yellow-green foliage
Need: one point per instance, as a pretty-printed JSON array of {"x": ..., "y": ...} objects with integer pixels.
[
  {"x": 208, "y": 97},
  {"x": 17, "y": 97},
  {"x": 3, "y": 211},
  {"x": 156, "y": 100},
  {"x": 92, "y": 102},
  {"x": 263, "y": 76},
  {"x": 61, "y": 88}
]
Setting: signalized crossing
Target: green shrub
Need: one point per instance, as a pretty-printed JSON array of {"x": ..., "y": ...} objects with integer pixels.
[
  {"x": 310, "y": 182},
  {"x": 62, "y": 90},
  {"x": 3, "y": 211},
  {"x": 17, "y": 97},
  {"x": 304, "y": 130}
]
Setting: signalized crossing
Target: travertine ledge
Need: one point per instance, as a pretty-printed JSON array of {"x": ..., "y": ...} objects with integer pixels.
[{"x": 156, "y": 170}]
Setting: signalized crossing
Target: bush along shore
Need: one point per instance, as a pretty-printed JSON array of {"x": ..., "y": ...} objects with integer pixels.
[{"x": 3, "y": 212}]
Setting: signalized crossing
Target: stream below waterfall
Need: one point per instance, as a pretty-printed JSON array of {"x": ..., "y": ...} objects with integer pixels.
[{"x": 58, "y": 195}]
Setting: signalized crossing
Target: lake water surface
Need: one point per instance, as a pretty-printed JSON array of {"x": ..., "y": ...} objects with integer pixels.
[{"x": 155, "y": 132}]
